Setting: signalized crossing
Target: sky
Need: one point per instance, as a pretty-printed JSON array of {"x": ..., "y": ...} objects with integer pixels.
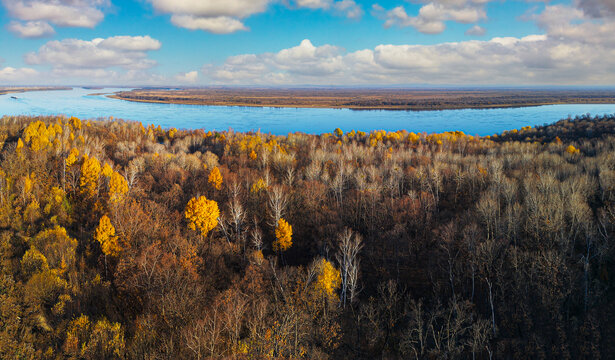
[{"x": 307, "y": 42}]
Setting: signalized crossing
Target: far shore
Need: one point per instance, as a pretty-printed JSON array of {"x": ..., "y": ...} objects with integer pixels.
[
  {"x": 371, "y": 99},
  {"x": 22, "y": 89}
]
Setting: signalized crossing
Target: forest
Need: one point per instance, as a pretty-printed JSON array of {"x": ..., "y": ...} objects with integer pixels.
[{"x": 125, "y": 241}]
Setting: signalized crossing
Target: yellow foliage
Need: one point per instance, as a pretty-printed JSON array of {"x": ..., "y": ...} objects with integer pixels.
[
  {"x": 32, "y": 211},
  {"x": 32, "y": 262},
  {"x": 90, "y": 172},
  {"x": 57, "y": 246},
  {"x": 253, "y": 155},
  {"x": 103, "y": 339},
  {"x": 338, "y": 132},
  {"x": 118, "y": 187},
  {"x": 572, "y": 150},
  {"x": 172, "y": 133},
  {"x": 258, "y": 186},
  {"x": 107, "y": 171},
  {"x": 19, "y": 146},
  {"x": 71, "y": 159},
  {"x": 75, "y": 123},
  {"x": 202, "y": 214},
  {"x": 32, "y": 134},
  {"x": 414, "y": 138},
  {"x": 28, "y": 183},
  {"x": 329, "y": 279},
  {"x": 40, "y": 136},
  {"x": 57, "y": 196},
  {"x": 215, "y": 178},
  {"x": 105, "y": 235},
  {"x": 106, "y": 340},
  {"x": 283, "y": 235}
]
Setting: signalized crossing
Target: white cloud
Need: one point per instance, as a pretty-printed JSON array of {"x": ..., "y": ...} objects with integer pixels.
[
  {"x": 314, "y": 4},
  {"x": 216, "y": 25},
  {"x": 129, "y": 43},
  {"x": 187, "y": 78},
  {"x": 552, "y": 58},
  {"x": 287, "y": 65},
  {"x": 31, "y": 29},
  {"x": 71, "y": 13},
  {"x": 433, "y": 14},
  {"x": 217, "y": 16},
  {"x": 348, "y": 8},
  {"x": 127, "y": 52},
  {"x": 227, "y": 16},
  {"x": 565, "y": 22},
  {"x": 11, "y": 75},
  {"x": 476, "y": 31}
]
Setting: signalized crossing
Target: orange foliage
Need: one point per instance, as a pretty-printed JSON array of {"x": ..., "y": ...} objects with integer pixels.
[{"x": 202, "y": 214}]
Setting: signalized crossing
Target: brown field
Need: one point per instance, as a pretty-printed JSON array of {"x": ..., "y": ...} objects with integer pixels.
[
  {"x": 21, "y": 89},
  {"x": 386, "y": 99}
]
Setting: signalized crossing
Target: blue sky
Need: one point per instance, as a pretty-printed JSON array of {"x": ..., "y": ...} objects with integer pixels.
[{"x": 307, "y": 42}]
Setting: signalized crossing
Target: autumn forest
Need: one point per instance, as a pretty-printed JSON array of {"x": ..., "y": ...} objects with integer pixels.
[{"x": 120, "y": 241}]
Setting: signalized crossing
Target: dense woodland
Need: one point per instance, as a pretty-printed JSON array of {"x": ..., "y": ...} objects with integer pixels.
[{"x": 119, "y": 241}]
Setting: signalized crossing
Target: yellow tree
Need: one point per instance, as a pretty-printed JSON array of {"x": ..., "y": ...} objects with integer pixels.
[
  {"x": 572, "y": 150},
  {"x": 118, "y": 187},
  {"x": 329, "y": 279},
  {"x": 100, "y": 340},
  {"x": 19, "y": 146},
  {"x": 105, "y": 235},
  {"x": 259, "y": 185},
  {"x": 215, "y": 178},
  {"x": 202, "y": 214},
  {"x": 90, "y": 172},
  {"x": 71, "y": 159},
  {"x": 283, "y": 236},
  {"x": 107, "y": 171}
]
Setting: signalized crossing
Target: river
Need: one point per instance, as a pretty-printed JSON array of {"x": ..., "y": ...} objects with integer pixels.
[{"x": 79, "y": 102}]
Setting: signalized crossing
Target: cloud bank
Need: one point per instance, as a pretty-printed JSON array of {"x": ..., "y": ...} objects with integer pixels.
[
  {"x": 12, "y": 75},
  {"x": 228, "y": 16},
  {"x": 34, "y": 17},
  {"x": 118, "y": 59},
  {"x": 573, "y": 50}
]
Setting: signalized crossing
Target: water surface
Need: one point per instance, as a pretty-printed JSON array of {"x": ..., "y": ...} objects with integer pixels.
[{"x": 78, "y": 102}]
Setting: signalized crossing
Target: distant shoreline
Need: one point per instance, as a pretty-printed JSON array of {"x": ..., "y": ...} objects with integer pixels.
[
  {"x": 18, "y": 90},
  {"x": 401, "y": 100}
]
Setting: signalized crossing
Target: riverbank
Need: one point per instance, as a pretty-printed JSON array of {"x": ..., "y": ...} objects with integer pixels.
[{"x": 19, "y": 89}]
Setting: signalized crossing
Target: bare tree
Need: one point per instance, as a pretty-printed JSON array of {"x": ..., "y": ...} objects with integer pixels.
[
  {"x": 277, "y": 204},
  {"x": 347, "y": 256}
]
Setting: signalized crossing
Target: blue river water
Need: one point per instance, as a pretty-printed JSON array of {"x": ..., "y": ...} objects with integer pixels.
[{"x": 79, "y": 102}]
